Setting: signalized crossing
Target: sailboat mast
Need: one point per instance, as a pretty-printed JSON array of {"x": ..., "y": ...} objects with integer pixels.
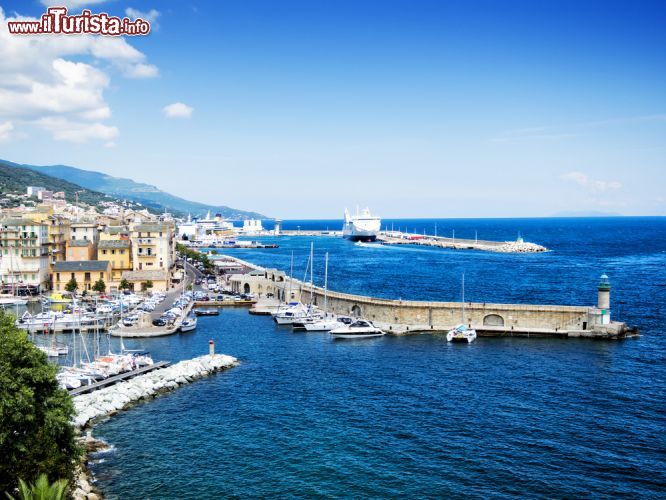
[
  {"x": 326, "y": 285},
  {"x": 311, "y": 273},
  {"x": 291, "y": 277},
  {"x": 463, "y": 298}
]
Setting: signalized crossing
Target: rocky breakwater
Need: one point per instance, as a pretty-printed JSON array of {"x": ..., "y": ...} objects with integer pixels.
[
  {"x": 518, "y": 247},
  {"x": 92, "y": 406},
  {"x": 110, "y": 400}
]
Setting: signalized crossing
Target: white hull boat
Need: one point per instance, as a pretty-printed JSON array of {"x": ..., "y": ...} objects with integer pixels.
[
  {"x": 326, "y": 325},
  {"x": 357, "y": 330},
  {"x": 188, "y": 324},
  {"x": 461, "y": 334}
]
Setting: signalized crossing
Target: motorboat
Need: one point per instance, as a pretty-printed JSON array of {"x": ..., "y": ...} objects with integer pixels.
[
  {"x": 461, "y": 334},
  {"x": 188, "y": 324},
  {"x": 12, "y": 301},
  {"x": 207, "y": 311},
  {"x": 295, "y": 312},
  {"x": 358, "y": 329},
  {"x": 328, "y": 324}
]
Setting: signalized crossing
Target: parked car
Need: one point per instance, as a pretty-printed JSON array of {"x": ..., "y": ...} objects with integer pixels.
[{"x": 159, "y": 322}]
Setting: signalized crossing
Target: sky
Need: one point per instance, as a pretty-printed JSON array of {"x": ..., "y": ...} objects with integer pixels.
[{"x": 298, "y": 109}]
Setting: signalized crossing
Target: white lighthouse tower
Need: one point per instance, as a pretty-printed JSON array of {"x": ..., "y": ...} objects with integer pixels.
[{"x": 601, "y": 314}]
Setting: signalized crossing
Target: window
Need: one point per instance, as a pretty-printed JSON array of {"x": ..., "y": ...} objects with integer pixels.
[
  {"x": 122, "y": 252},
  {"x": 101, "y": 275},
  {"x": 57, "y": 276},
  {"x": 86, "y": 277},
  {"x": 72, "y": 275},
  {"x": 104, "y": 252},
  {"x": 113, "y": 252}
]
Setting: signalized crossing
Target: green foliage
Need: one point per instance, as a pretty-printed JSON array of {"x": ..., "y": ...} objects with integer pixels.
[
  {"x": 72, "y": 285},
  {"x": 36, "y": 434},
  {"x": 189, "y": 253},
  {"x": 124, "y": 284},
  {"x": 42, "y": 489},
  {"x": 146, "y": 285},
  {"x": 149, "y": 196},
  {"x": 99, "y": 286},
  {"x": 15, "y": 179}
]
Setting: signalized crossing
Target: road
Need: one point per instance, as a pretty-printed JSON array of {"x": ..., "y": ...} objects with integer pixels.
[{"x": 172, "y": 295}]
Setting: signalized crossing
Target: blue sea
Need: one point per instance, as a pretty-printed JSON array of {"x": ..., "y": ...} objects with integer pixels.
[{"x": 307, "y": 416}]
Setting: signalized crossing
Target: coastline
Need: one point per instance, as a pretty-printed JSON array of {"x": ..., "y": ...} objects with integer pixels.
[{"x": 106, "y": 402}]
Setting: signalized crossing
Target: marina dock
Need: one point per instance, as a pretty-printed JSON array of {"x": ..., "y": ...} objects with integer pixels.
[{"x": 117, "y": 378}]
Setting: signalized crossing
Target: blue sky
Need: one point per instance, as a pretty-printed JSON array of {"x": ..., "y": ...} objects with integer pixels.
[{"x": 297, "y": 109}]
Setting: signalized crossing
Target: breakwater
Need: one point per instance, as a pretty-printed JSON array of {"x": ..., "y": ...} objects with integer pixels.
[
  {"x": 518, "y": 246},
  {"x": 101, "y": 403},
  {"x": 95, "y": 405},
  {"x": 411, "y": 316}
]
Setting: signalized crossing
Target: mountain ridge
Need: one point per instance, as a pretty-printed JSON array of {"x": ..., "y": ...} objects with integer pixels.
[{"x": 146, "y": 194}]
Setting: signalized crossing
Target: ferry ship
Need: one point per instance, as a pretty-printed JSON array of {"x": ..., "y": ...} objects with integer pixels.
[{"x": 362, "y": 226}]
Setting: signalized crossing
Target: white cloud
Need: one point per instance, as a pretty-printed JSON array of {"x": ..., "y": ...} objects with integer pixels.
[
  {"x": 177, "y": 110},
  {"x": 78, "y": 132},
  {"x": 5, "y": 131},
  {"x": 51, "y": 78},
  {"x": 150, "y": 16},
  {"x": 592, "y": 185},
  {"x": 141, "y": 71}
]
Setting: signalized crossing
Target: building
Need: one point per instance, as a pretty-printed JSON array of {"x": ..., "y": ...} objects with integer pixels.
[
  {"x": 33, "y": 191},
  {"x": 138, "y": 280},
  {"x": 85, "y": 231},
  {"x": 85, "y": 272},
  {"x": 79, "y": 250},
  {"x": 153, "y": 247},
  {"x": 119, "y": 253},
  {"x": 25, "y": 255},
  {"x": 251, "y": 226}
]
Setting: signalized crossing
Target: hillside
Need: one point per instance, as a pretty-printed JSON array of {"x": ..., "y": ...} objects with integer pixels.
[
  {"x": 146, "y": 194},
  {"x": 14, "y": 180}
]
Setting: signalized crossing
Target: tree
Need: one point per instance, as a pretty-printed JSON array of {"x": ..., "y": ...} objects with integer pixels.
[
  {"x": 146, "y": 285},
  {"x": 36, "y": 434},
  {"x": 71, "y": 285},
  {"x": 42, "y": 489},
  {"x": 99, "y": 286},
  {"x": 124, "y": 284}
]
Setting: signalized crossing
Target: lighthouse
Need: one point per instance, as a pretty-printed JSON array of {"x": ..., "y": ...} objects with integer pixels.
[{"x": 603, "y": 300}]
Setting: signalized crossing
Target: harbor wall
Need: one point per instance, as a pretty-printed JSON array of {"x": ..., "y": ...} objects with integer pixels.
[{"x": 445, "y": 315}]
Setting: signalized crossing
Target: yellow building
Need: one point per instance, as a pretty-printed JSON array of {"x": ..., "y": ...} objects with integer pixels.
[
  {"x": 85, "y": 272},
  {"x": 153, "y": 247},
  {"x": 137, "y": 279},
  {"x": 114, "y": 233},
  {"x": 79, "y": 250},
  {"x": 119, "y": 253}
]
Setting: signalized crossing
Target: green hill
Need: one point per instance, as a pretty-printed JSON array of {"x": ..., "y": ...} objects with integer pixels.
[
  {"x": 146, "y": 194},
  {"x": 15, "y": 179}
]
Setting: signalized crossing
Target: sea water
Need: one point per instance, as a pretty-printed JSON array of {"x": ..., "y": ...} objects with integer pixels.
[{"x": 308, "y": 416}]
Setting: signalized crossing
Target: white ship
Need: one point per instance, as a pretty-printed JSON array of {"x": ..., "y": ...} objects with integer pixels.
[{"x": 362, "y": 226}]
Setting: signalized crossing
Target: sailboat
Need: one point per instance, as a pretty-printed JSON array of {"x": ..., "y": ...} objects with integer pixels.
[
  {"x": 326, "y": 324},
  {"x": 461, "y": 333}
]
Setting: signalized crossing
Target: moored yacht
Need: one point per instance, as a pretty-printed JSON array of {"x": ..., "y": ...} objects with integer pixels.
[
  {"x": 461, "y": 334},
  {"x": 328, "y": 324},
  {"x": 358, "y": 329}
]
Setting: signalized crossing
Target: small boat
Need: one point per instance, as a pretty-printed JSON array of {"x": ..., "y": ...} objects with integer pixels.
[
  {"x": 328, "y": 324},
  {"x": 208, "y": 311},
  {"x": 188, "y": 324},
  {"x": 12, "y": 301},
  {"x": 357, "y": 330},
  {"x": 59, "y": 298},
  {"x": 461, "y": 334}
]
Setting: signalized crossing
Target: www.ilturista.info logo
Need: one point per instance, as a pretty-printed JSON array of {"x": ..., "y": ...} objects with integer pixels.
[{"x": 56, "y": 21}]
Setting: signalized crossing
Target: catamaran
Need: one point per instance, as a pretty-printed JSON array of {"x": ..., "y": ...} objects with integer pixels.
[{"x": 461, "y": 333}]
